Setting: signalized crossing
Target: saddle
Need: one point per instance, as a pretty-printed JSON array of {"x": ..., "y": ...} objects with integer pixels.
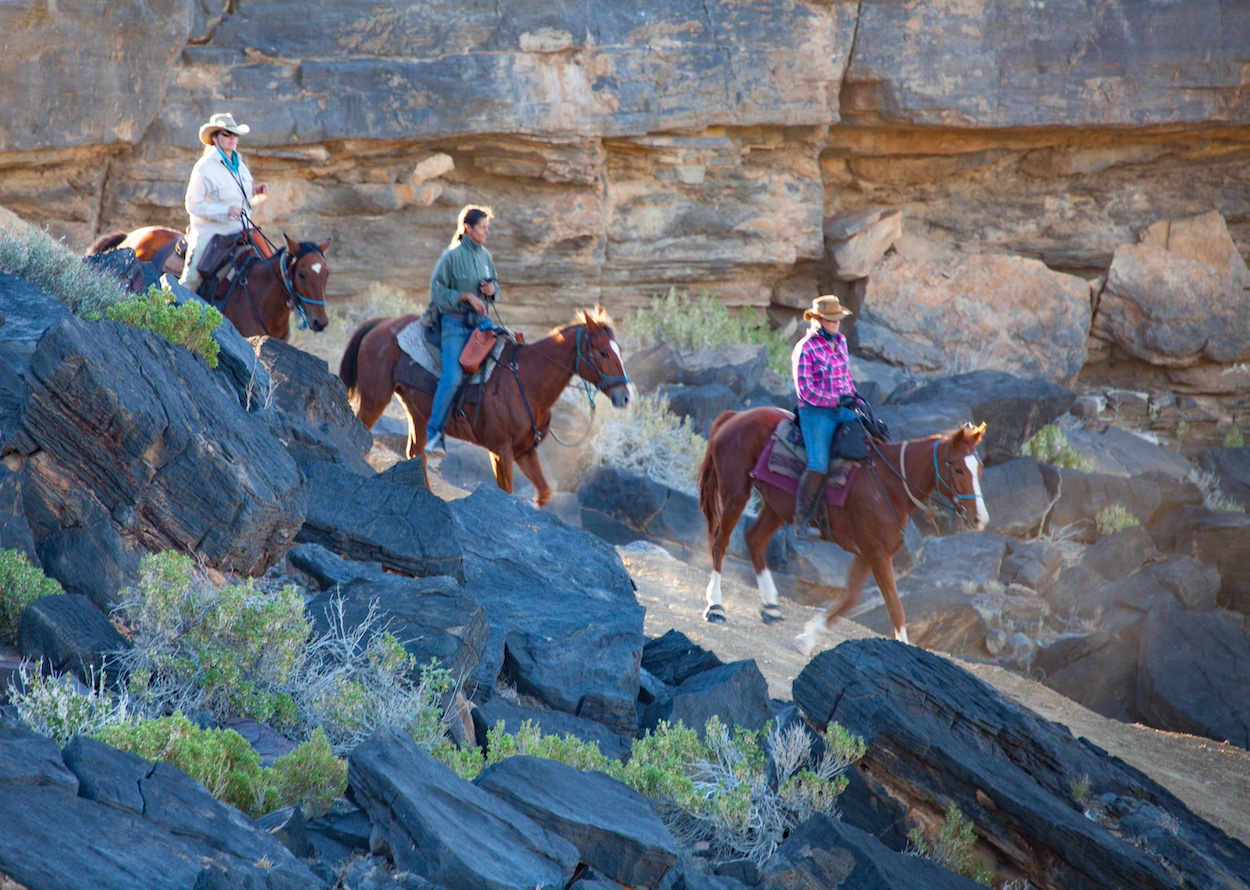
[
  {"x": 224, "y": 258},
  {"x": 785, "y": 458},
  {"x": 421, "y": 362}
]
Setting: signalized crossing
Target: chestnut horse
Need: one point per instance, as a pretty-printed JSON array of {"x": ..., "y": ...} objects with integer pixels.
[
  {"x": 515, "y": 408},
  {"x": 896, "y": 480},
  {"x": 270, "y": 288}
]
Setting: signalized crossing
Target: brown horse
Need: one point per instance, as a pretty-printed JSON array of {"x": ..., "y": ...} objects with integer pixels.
[
  {"x": 269, "y": 288},
  {"x": 897, "y": 479},
  {"x": 515, "y": 408}
]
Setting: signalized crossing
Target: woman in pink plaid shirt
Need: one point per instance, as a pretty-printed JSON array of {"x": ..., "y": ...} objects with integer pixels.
[{"x": 822, "y": 377}]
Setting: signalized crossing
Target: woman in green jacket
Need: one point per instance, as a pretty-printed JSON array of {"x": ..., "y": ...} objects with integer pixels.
[{"x": 463, "y": 281}]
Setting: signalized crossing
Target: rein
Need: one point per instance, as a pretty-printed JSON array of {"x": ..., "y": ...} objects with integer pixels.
[
  {"x": 294, "y": 299},
  {"x": 606, "y": 381},
  {"x": 939, "y": 483}
]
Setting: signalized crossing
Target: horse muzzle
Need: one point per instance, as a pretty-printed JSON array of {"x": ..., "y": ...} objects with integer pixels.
[
  {"x": 619, "y": 395},
  {"x": 317, "y": 325}
]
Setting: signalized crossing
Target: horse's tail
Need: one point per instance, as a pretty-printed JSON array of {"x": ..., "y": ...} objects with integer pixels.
[
  {"x": 709, "y": 481},
  {"x": 349, "y": 369},
  {"x": 105, "y": 242}
]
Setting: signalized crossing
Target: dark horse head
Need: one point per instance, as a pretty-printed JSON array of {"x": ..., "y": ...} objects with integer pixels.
[
  {"x": 307, "y": 272},
  {"x": 599, "y": 358}
]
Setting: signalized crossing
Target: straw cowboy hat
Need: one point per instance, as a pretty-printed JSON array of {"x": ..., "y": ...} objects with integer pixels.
[
  {"x": 826, "y": 307},
  {"x": 221, "y": 122}
]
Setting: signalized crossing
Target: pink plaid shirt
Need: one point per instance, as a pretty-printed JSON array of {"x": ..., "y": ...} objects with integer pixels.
[{"x": 821, "y": 370}]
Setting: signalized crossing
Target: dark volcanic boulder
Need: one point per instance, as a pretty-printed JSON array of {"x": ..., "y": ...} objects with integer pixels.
[
  {"x": 69, "y": 634},
  {"x": 737, "y": 693},
  {"x": 1017, "y": 496},
  {"x": 14, "y": 530},
  {"x": 391, "y": 518},
  {"x": 624, "y": 507},
  {"x": 1224, "y": 540},
  {"x": 673, "y": 658},
  {"x": 936, "y": 734},
  {"x": 447, "y": 830},
  {"x": 565, "y": 625},
  {"x": 1194, "y": 675},
  {"x": 824, "y": 852},
  {"x": 102, "y": 819},
  {"x": 614, "y": 828},
  {"x": 556, "y": 723},
  {"x": 1013, "y": 408},
  {"x": 311, "y": 414},
  {"x": 123, "y": 420}
]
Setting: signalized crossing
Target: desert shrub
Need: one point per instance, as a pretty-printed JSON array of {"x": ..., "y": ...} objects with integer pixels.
[
  {"x": 530, "y": 740},
  {"x": 231, "y": 651},
  {"x": 704, "y": 323},
  {"x": 950, "y": 846},
  {"x": 1213, "y": 496},
  {"x": 716, "y": 790},
  {"x": 1049, "y": 445},
  {"x": 310, "y": 776},
  {"x": 1233, "y": 438},
  {"x": 36, "y": 257},
  {"x": 224, "y": 763},
  {"x": 20, "y": 585},
  {"x": 354, "y": 680},
  {"x": 1114, "y": 518},
  {"x": 191, "y": 325},
  {"x": 648, "y": 439},
  {"x": 60, "y": 707}
]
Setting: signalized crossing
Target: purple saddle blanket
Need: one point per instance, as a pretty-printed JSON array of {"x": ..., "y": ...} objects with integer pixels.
[{"x": 782, "y": 462}]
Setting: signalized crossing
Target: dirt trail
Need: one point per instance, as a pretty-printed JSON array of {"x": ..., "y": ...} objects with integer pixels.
[{"x": 1211, "y": 778}]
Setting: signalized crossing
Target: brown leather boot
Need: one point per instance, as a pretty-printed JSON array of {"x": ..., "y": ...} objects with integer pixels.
[{"x": 805, "y": 501}]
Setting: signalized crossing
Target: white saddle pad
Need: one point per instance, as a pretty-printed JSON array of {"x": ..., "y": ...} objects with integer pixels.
[{"x": 413, "y": 342}]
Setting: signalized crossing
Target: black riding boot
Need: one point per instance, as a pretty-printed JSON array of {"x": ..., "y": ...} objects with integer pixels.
[{"x": 805, "y": 502}]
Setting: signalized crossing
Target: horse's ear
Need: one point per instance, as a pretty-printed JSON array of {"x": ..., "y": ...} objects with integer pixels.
[
  {"x": 974, "y": 434},
  {"x": 291, "y": 245},
  {"x": 324, "y": 245}
]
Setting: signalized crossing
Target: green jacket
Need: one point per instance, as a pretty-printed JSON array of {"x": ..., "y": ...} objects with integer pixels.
[{"x": 459, "y": 271}]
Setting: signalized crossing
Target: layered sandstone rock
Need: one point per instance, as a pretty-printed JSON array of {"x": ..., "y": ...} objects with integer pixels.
[{"x": 632, "y": 148}]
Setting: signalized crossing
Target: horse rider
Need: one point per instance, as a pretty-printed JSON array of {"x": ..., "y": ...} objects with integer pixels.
[
  {"x": 822, "y": 378},
  {"x": 221, "y": 192},
  {"x": 463, "y": 281}
]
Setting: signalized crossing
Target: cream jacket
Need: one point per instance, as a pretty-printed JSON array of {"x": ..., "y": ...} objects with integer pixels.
[{"x": 211, "y": 193}]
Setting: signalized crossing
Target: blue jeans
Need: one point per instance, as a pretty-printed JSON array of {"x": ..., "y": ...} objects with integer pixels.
[
  {"x": 819, "y": 425},
  {"x": 455, "y": 335}
]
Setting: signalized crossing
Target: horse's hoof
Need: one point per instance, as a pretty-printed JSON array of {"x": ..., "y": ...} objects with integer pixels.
[
  {"x": 804, "y": 643},
  {"x": 715, "y": 614},
  {"x": 771, "y": 615}
]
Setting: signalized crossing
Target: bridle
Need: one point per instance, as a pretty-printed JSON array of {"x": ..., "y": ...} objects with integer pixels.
[
  {"x": 295, "y": 301},
  {"x": 605, "y": 383},
  {"x": 945, "y": 491}
]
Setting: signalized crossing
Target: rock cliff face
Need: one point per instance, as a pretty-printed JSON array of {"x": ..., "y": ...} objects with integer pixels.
[{"x": 627, "y": 148}]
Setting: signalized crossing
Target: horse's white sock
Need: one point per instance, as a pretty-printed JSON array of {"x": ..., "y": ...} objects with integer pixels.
[
  {"x": 713, "y": 594},
  {"x": 900, "y": 634},
  {"x": 768, "y": 589}
]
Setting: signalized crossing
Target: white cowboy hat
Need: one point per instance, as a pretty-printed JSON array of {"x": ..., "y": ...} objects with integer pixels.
[
  {"x": 221, "y": 122},
  {"x": 826, "y": 307}
]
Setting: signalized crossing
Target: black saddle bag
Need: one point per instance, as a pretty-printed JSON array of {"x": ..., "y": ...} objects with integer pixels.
[
  {"x": 850, "y": 442},
  {"x": 216, "y": 253}
]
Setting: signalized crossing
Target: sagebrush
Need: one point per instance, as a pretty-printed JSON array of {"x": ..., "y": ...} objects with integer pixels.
[
  {"x": 1049, "y": 445},
  {"x": 704, "y": 322},
  {"x": 648, "y": 439},
  {"x": 191, "y": 324},
  {"x": 35, "y": 256},
  {"x": 21, "y": 584},
  {"x": 951, "y": 846}
]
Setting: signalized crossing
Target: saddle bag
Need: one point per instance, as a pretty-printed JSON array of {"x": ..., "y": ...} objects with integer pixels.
[
  {"x": 475, "y": 351},
  {"x": 216, "y": 253},
  {"x": 850, "y": 442}
]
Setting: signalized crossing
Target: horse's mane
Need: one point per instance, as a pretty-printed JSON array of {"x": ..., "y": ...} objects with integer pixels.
[
  {"x": 105, "y": 242},
  {"x": 597, "y": 316}
]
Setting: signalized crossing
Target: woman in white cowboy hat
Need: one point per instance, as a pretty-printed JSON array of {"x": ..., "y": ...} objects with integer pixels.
[
  {"x": 220, "y": 193},
  {"x": 822, "y": 377}
]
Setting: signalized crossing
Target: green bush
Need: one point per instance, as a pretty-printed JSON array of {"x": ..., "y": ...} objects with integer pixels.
[
  {"x": 1049, "y": 445},
  {"x": 1233, "y": 438},
  {"x": 1115, "y": 518},
  {"x": 191, "y": 325},
  {"x": 59, "y": 707},
  {"x": 705, "y": 323},
  {"x": 20, "y": 585},
  {"x": 34, "y": 256},
  {"x": 223, "y": 762},
  {"x": 951, "y": 846},
  {"x": 231, "y": 652},
  {"x": 650, "y": 440}
]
